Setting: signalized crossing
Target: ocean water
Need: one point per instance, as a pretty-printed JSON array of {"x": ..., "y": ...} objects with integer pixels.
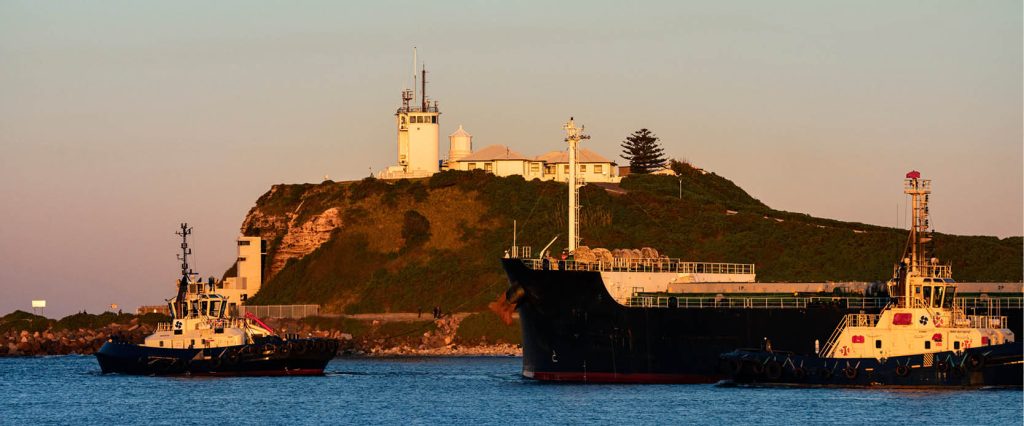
[{"x": 71, "y": 390}]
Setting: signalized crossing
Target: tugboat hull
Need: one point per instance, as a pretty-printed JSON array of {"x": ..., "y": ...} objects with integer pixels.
[
  {"x": 302, "y": 357},
  {"x": 998, "y": 366}
]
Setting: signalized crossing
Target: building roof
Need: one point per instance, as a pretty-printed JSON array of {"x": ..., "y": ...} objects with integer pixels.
[
  {"x": 460, "y": 132},
  {"x": 494, "y": 152},
  {"x": 584, "y": 156}
]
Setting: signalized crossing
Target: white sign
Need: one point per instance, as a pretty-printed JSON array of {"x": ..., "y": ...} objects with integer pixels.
[{"x": 38, "y": 303}]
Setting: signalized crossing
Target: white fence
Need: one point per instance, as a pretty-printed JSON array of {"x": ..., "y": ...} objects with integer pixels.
[{"x": 280, "y": 311}]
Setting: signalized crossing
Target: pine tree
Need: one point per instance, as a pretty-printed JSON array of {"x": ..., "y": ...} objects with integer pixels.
[{"x": 643, "y": 151}]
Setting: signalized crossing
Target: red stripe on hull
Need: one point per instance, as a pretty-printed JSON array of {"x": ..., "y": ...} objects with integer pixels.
[{"x": 619, "y": 378}]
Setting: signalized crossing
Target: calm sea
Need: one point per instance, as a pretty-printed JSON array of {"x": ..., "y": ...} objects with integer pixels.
[{"x": 70, "y": 390}]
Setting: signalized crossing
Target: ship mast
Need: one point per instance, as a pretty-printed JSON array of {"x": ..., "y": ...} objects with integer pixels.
[
  {"x": 916, "y": 261},
  {"x": 919, "y": 190},
  {"x": 186, "y": 271},
  {"x": 573, "y": 137}
]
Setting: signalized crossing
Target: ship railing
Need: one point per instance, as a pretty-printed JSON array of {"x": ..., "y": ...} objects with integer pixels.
[
  {"x": 985, "y": 302},
  {"x": 280, "y": 311},
  {"x": 975, "y": 303},
  {"x": 668, "y": 301},
  {"x": 986, "y": 321},
  {"x": 644, "y": 265},
  {"x": 215, "y": 323},
  {"x": 849, "y": 320}
]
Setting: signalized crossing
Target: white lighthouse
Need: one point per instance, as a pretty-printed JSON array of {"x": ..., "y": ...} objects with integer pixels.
[
  {"x": 417, "y": 135},
  {"x": 461, "y": 144}
]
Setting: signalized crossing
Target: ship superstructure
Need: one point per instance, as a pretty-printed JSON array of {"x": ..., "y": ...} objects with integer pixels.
[{"x": 924, "y": 315}]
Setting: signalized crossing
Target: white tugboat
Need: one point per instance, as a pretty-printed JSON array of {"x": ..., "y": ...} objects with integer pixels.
[
  {"x": 201, "y": 340},
  {"x": 924, "y": 337}
]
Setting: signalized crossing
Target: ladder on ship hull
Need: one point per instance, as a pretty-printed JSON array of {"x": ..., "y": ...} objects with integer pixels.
[{"x": 826, "y": 351}]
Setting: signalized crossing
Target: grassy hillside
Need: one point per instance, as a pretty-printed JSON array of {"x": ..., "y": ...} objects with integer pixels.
[{"x": 411, "y": 245}]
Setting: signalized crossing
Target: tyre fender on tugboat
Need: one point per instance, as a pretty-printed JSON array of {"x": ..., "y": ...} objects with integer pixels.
[
  {"x": 976, "y": 361},
  {"x": 902, "y": 370}
]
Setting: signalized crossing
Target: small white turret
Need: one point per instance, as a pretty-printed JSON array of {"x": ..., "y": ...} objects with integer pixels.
[{"x": 461, "y": 143}]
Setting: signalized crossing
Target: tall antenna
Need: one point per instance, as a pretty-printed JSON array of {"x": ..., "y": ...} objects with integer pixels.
[
  {"x": 186, "y": 271},
  {"x": 424, "y": 83},
  {"x": 415, "y": 65},
  {"x": 573, "y": 137}
]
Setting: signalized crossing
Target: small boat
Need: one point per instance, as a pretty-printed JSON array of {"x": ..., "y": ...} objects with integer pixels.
[
  {"x": 201, "y": 340},
  {"x": 924, "y": 337}
]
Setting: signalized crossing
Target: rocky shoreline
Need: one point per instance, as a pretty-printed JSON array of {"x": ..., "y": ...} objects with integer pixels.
[
  {"x": 30, "y": 335},
  {"x": 68, "y": 342}
]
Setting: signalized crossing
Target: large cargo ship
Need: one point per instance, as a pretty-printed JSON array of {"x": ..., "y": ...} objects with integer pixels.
[{"x": 627, "y": 319}]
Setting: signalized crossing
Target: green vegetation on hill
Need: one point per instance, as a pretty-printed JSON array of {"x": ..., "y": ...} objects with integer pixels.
[{"x": 415, "y": 244}]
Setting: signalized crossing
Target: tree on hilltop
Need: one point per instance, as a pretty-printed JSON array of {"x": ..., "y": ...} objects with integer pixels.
[{"x": 643, "y": 152}]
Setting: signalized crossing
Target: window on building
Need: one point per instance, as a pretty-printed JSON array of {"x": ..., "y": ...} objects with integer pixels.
[
  {"x": 243, "y": 242},
  {"x": 470, "y": 166},
  {"x": 565, "y": 169},
  {"x": 598, "y": 169},
  {"x": 534, "y": 168},
  {"x": 549, "y": 169},
  {"x": 241, "y": 259},
  {"x": 583, "y": 168},
  {"x": 488, "y": 167},
  {"x": 433, "y": 119}
]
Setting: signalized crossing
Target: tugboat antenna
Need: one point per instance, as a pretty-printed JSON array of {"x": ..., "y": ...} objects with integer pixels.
[{"x": 186, "y": 272}]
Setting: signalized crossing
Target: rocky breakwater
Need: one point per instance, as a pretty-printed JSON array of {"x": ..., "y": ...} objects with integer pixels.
[
  {"x": 439, "y": 337},
  {"x": 26, "y": 335}
]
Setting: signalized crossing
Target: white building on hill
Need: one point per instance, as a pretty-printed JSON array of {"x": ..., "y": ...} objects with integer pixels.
[
  {"x": 501, "y": 161},
  {"x": 418, "y": 148},
  {"x": 592, "y": 166},
  {"x": 248, "y": 272}
]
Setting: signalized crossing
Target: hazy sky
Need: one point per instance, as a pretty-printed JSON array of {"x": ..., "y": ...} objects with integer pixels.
[{"x": 118, "y": 120}]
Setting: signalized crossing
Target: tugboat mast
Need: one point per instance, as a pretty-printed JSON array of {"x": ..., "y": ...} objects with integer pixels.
[
  {"x": 186, "y": 271},
  {"x": 916, "y": 261},
  {"x": 573, "y": 137}
]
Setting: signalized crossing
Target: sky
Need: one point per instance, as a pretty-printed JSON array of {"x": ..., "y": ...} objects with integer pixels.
[{"x": 119, "y": 120}]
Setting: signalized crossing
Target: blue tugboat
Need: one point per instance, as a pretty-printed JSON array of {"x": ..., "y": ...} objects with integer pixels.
[
  {"x": 923, "y": 338},
  {"x": 201, "y": 340}
]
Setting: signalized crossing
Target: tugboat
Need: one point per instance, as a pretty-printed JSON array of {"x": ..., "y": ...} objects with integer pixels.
[
  {"x": 201, "y": 340},
  {"x": 922, "y": 338}
]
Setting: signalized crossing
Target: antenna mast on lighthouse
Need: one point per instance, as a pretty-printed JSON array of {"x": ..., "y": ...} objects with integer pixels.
[{"x": 573, "y": 137}]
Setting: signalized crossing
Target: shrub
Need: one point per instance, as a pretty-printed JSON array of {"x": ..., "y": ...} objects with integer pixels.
[{"x": 415, "y": 229}]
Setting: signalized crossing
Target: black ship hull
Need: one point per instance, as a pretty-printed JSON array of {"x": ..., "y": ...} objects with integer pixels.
[
  {"x": 573, "y": 330},
  {"x": 999, "y": 366},
  {"x": 296, "y": 357}
]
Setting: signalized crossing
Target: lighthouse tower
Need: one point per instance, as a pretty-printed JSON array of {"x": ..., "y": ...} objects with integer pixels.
[
  {"x": 461, "y": 144},
  {"x": 417, "y": 133}
]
